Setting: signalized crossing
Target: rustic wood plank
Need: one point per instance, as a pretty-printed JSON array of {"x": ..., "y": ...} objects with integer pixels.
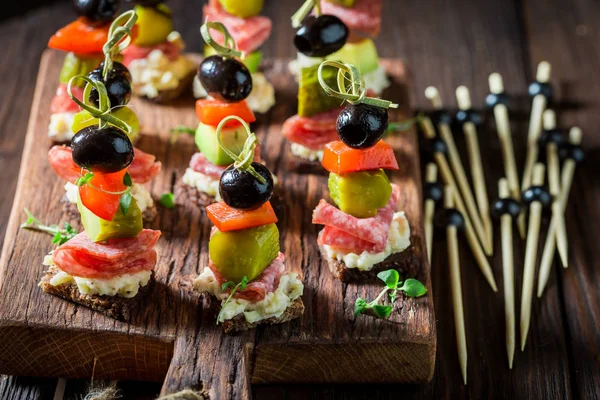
[
  {"x": 172, "y": 322},
  {"x": 564, "y": 35}
]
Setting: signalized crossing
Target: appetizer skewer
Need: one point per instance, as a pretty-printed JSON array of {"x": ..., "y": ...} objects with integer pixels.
[
  {"x": 366, "y": 234},
  {"x": 246, "y": 268},
  {"x": 439, "y": 154},
  {"x": 468, "y": 118},
  {"x": 249, "y": 31},
  {"x": 443, "y": 124},
  {"x": 536, "y": 197},
  {"x": 433, "y": 192},
  {"x": 572, "y": 155},
  {"x": 498, "y": 101},
  {"x": 506, "y": 209}
]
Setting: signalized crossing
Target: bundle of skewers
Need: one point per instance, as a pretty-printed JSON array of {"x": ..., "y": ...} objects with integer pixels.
[{"x": 463, "y": 208}]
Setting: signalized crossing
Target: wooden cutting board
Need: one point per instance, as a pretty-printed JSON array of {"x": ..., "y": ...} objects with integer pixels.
[{"x": 173, "y": 336}]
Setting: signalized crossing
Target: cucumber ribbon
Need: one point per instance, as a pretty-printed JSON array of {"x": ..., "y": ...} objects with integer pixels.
[
  {"x": 229, "y": 49},
  {"x": 304, "y": 10},
  {"x": 119, "y": 37}
]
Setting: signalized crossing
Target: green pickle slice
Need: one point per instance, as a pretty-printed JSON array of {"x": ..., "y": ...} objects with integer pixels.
[
  {"x": 246, "y": 252},
  {"x": 344, "y": 3},
  {"x": 251, "y": 61},
  {"x": 242, "y": 8},
  {"x": 75, "y": 65},
  {"x": 312, "y": 99},
  {"x": 363, "y": 55},
  {"x": 83, "y": 119},
  {"x": 360, "y": 194},
  {"x": 121, "y": 226},
  {"x": 154, "y": 25}
]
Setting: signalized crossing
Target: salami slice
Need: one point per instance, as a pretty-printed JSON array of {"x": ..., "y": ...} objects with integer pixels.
[
  {"x": 364, "y": 17},
  {"x": 374, "y": 230},
  {"x": 133, "y": 52},
  {"x": 344, "y": 241},
  {"x": 62, "y": 102},
  {"x": 105, "y": 260},
  {"x": 249, "y": 33},
  {"x": 144, "y": 166},
  {"x": 312, "y": 132},
  {"x": 200, "y": 164}
]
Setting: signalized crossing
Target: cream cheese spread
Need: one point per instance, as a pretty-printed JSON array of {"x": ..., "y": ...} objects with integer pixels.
[
  {"x": 60, "y": 129},
  {"x": 203, "y": 183}
]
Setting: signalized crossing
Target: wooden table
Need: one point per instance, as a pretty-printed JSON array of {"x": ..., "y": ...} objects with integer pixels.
[{"x": 445, "y": 43}]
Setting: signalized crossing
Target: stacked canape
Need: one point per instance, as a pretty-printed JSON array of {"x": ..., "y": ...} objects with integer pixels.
[
  {"x": 160, "y": 72},
  {"x": 82, "y": 40},
  {"x": 246, "y": 268},
  {"x": 366, "y": 233},
  {"x": 249, "y": 30},
  {"x": 229, "y": 84},
  {"x": 117, "y": 81}
]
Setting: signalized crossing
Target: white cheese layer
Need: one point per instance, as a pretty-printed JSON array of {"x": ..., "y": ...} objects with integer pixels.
[
  {"x": 272, "y": 306},
  {"x": 157, "y": 73},
  {"x": 304, "y": 152},
  {"x": 398, "y": 241},
  {"x": 203, "y": 183},
  {"x": 126, "y": 285},
  {"x": 141, "y": 195},
  {"x": 59, "y": 129}
]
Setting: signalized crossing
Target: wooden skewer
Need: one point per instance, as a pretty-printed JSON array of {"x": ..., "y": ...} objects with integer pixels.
[
  {"x": 535, "y": 125},
  {"x": 508, "y": 273},
  {"x": 457, "y": 167},
  {"x": 430, "y": 177},
  {"x": 504, "y": 134},
  {"x": 456, "y": 285},
  {"x": 448, "y": 180},
  {"x": 550, "y": 245},
  {"x": 533, "y": 232},
  {"x": 554, "y": 184},
  {"x": 464, "y": 103}
]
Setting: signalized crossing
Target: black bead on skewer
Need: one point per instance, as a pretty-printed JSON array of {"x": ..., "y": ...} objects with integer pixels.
[
  {"x": 470, "y": 115},
  {"x": 433, "y": 191},
  {"x": 537, "y": 193},
  {"x": 554, "y": 135},
  {"x": 570, "y": 151},
  {"x": 542, "y": 88},
  {"x": 437, "y": 145},
  {"x": 450, "y": 217},
  {"x": 505, "y": 206},
  {"x": 493, "y": 99},
  {"x": 441, "y": 116}
]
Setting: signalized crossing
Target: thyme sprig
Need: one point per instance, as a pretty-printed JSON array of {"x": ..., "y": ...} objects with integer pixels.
[
  {"x": 60, "y": 235},
  {"x": 230, "y": 284}
]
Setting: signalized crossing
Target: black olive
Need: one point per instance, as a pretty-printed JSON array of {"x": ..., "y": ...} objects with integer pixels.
[
  {"x": 118, "y": 84},
  {"x": 239, "y": 189},
  {"x": 225, "y": 78},
  {"x": 104, "y": 150},
  {"x": 362, "y": 125},
  {"x": 321, "y": 36},
  {"x": 148, "y": 3},
  {"x": 97, "y": 11}
]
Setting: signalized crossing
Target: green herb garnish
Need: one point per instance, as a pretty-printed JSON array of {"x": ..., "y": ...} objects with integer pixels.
[
  {"x": 125, "y": 202},
  {"x": 85, "y": 179},
  {"x": 402, "y": 126},
  {"x": 181, "y": 130},
  {"x": 411, "y": 288},
  {"x": 167, "y": 200},
  {"x": 61, "y": 236},
  {"x": 230, "y": 284},
  {"x": 127, "y": 180}
]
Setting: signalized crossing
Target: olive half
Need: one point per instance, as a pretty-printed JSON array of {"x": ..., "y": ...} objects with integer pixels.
[
  {"x": 239, "y": 189},
  {"x": 118, "y": 84},
  {"x": 362, "y": 125},
  {"x": 105, "y": 150},
  {"x": 97, "y": 11},
  {"x": 321, "y": 36},
  {"x": 225, "y": 78}
]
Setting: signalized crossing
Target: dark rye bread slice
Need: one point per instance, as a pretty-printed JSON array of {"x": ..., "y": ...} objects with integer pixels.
[
  {"x": 70, "y": 209},
  {"x": 169, "y": 95},
  {"x": 402, "y": 261},
  {"x": 185, "y": 194},
  {"x": 303, "y": 166},
  {"x": 239, "y": 323},
  {"x": 116, "y": 307}
]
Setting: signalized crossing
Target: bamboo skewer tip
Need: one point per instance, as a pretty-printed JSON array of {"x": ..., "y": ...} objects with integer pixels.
[
  {"x": 575, "y": 135},
  {"x": 496, "y": 83},
  {"x": 549, "y": 119},
  {"x": 543, "y": 72},
  {"x": 431, "y": 173},
  {"x": 463, "y": 97},
  {"x": 433, "y": 95}
]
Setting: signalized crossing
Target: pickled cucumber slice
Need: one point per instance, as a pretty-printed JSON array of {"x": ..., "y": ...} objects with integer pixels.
[
  {"x": 251, "y": 61},
  {"x": 360, "y": 194},
  {"x": 242, "y": 8},
  {"x": 246, "y": 252},
  {"x": 75, "y": 65},
  {"x": 312, "y": 99},
  {"x": 121, "y": 226},
  {"x": 83, "y": 119},
  {"x": 343, "y": 3},
  {"x": 206, "y": 140},
  {"x": 363, "y": 55},
  {"x": 154, "y": 25}
]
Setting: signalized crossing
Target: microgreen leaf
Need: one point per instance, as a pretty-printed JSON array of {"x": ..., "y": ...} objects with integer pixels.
[
  {"x": 82, "y": 180},
  {"x": 125, "y": 202},
  {"x": 413, "y": 288},
  {"x": 127, "y": 180},
  {"x": 228, "y": 284},
  {"x": 402, "y": 126},
  {"x": 359, "y": 307},
  {"x": 390, "y": 277},
  {"x": 179, "y": 130},
  {"x": 59, "y": 236},
  {"x": 167, "y": 200},
  {"x": 241, "y": 286},
  {"x": 244, "y": 283},
  {"x": 382, "y": 311}
]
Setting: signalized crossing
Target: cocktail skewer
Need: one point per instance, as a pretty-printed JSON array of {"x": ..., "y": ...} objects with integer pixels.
[
  {"x": 551, "y": 138},
  {"x": 536, "y": 197},
  {"x": 454, "y": 222},
  {"x": 457, "y": 167},
  {"x": 439, "y": 155},
  {"x": 507, "y": 209},
  {"x": 573, "y": 154},
  {"x": 541, "y": 91},
  {"x": 433, "y": 193},
  {"x": 498, "y": 100},
  {"x": 463, "y": 99}
]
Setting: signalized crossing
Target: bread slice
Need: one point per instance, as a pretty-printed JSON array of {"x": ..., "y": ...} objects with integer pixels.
[
  {"x": 304, "y": 166},
  {"x": 184, "y": 88},
  {"x": 70, "y": 209},
  {"x": 402, "y": 261},
  {"x": 116, "y": 307},
  {"x": 239, "y": 323},
  {"x": 185, "y": 194}
]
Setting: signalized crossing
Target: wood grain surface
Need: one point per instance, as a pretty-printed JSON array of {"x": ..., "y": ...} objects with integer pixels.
[
  {"x": 445, "y": 43},
  {"x": 175, "y": 329}
]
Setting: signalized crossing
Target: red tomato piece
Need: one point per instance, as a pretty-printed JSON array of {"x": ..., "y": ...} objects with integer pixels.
[
  {"x": 212, "y": 112},
  {"x": 228, "y": 218},
  {"x": 339, "y": 158},
  {"x": 96, "y": 198}
]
